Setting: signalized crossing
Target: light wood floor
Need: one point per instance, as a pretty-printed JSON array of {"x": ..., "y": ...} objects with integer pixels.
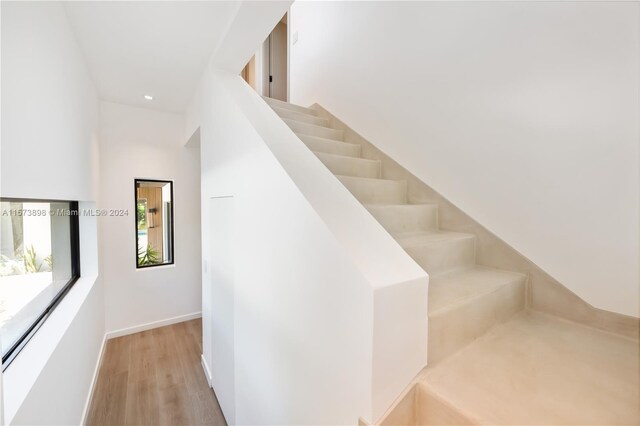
[{"x": 155, "y": 378}]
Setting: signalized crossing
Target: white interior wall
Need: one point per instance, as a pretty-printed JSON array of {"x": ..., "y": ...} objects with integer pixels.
[
  {"x": 49, "y": 150},
  {"x": 259, "y": 65},
  {"x": 312, "y": 249},
  {"x": 523, "y": 114},
  {"x": 49, "y": 107},
  {"x": 49, "y": 382},
  {"x": 143, "y": 143},
  {"x": 264, "y": 51},
  {"x": 1, "y": 398},
  {"x": 218, "y": 295},
  {"x": 59, "y": 396},
  {"x": 252, "y": 23},
  {"x": 269, "y": 386}
]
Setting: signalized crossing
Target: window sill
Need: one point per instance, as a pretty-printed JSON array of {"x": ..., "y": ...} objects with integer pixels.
[
  {"x": 26, "y": 368},
  {"x": 156, "y": 267}
]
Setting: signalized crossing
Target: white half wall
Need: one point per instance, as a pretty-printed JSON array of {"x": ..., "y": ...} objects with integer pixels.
[
  {"x": 328, "y": 313},
  {"x": 143, "y": 143},
  {"x": 50, "y": 380},
  {"x": 523, "y": 114},
  {"x": 49, "y": 150}
]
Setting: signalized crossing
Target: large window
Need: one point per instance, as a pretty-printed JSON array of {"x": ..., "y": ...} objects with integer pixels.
[
  {"x": 39, "y": 262},
  {"x": 154, "y": 222}
]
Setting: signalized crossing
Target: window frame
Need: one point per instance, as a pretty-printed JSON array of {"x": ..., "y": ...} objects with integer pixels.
[
  {"x": 74, "y": 236},
  {"x": 135, "y": 221}
]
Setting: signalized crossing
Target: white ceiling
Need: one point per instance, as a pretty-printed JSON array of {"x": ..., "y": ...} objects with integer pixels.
[{"x": 159, "y": 48}]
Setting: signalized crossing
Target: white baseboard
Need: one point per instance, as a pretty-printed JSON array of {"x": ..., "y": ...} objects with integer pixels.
[
  {"x": 94, "y": 380},
  {"x": 151, "y": 325},
  {"x": 205, "y": 367}
]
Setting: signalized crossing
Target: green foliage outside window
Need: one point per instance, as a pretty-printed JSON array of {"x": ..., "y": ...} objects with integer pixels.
[
  {"x": 141, "y": 212},
  {"x": 150, "y": 256}
]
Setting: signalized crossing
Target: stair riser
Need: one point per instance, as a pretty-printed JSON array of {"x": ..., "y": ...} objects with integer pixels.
[
  {"x": 348, "y": 166},
  {"x": 377, "y": 191},
  {"x": 306, "y": 118},
  {"x": 407, "y": 218},
  {"x": 331, "y": 147},
  {"x": 291, "y": 107},
  {"x": 311, "y": 130},
  {"x": 444, "y": 256},
  {"x": 420, "y": 406},
  {"x": 454, "y": 328}
]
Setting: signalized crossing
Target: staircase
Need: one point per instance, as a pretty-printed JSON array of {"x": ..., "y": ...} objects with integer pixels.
[
  {"x": 473, "y": 309},
  {"x": 465, "y": 299}
]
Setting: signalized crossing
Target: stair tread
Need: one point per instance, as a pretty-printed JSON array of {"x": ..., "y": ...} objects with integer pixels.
[
  {"x": 301, "y": 135},
  {"x": 417, "y": 238},
  {"x": 344, "y": 157},
  {"x": 331, "y": 146},
  {"x": 289, "y": 105},
  {"x": 320, "y": 138},
  {"x": 537, "y": 369},
  {"x": 300, "y": 116},
  {"x": 369, "y": 179},
  {"x": 452, "y": 289},
  {"x": 305, "y": 124},
  {"x": 374, "y": 205},
  {"x": 277, "y": 109}
]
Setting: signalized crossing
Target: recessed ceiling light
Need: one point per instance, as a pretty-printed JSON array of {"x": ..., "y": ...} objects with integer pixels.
[{"x": 148, "y": 97}]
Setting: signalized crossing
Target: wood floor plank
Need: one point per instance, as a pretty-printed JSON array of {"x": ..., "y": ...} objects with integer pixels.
[
  {"x": 189, "y": 356},
  {"x": 168, "y": 368},
  {"x": 112, "y": 409},
  {"x": 175, "y": 406},
  {"x": 142, "y": 357},
  {"x": 116, "y": 356},
  {"x": 155, "y": 378},
  {"x": 142, "y": 402},
  {"x": 111, "y": 384},
  {"x": 206, "y": 410},
  {"x": 97, "y": 412}
]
